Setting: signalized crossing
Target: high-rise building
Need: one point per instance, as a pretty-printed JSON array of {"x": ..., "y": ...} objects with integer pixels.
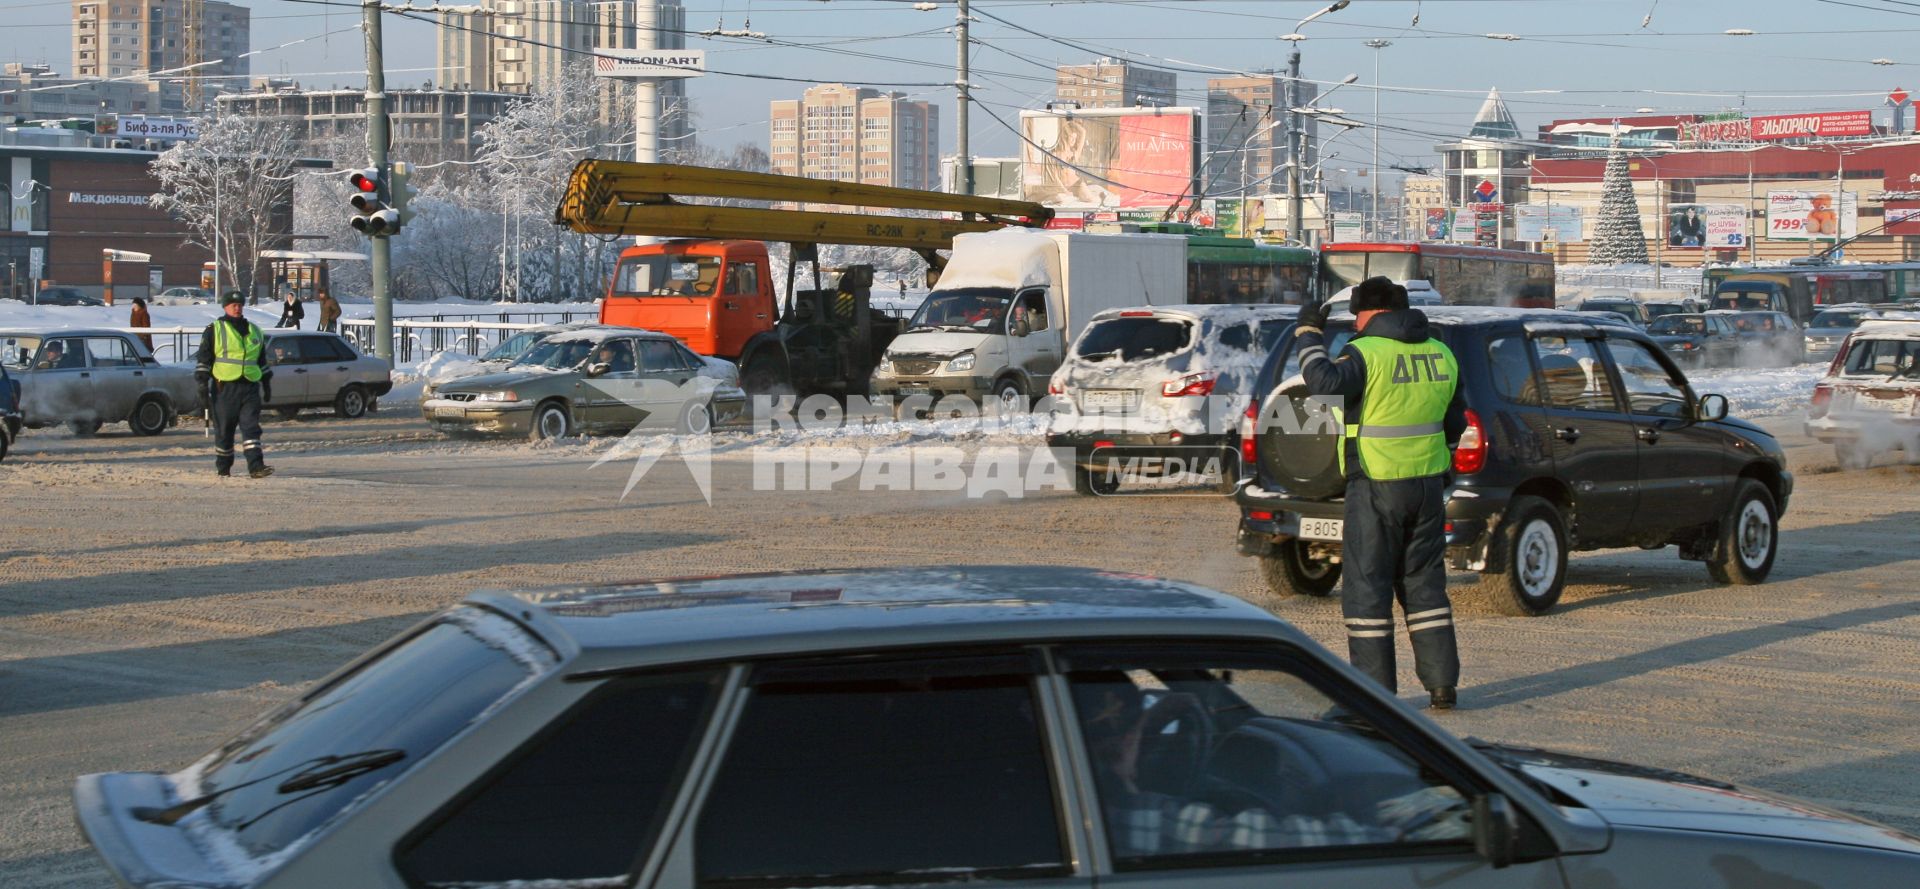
[
  {"x": 122, "y": 38},
  {"x": 425, "y": 124},
  {"x": 835, "y": 131},
  {"x": 1115, "y": 83},
  {"x": 1247, "y": 134}
]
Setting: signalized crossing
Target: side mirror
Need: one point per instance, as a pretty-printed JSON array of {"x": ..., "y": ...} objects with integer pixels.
[
  {"x": 1496, "y": 831},
  {"x": 598, "y": 370},
  {"x": 1711, "y": 408}
]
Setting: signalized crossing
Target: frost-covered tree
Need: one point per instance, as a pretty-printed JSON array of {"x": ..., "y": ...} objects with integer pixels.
[
  {"x": 1617, "y": 235},
  {"x": 236, "y": 180}
]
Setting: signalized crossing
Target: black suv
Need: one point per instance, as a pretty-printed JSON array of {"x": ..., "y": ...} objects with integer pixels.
[{"x": 1581, "y": 435}]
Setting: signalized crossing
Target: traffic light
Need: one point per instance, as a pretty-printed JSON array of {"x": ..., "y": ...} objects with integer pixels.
[
  {"x": 402, "y": 193},
  {"x": 371, "y": 214}
]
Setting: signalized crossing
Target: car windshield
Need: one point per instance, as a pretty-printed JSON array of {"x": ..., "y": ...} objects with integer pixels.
[
  {"x": 1847, "y": 320},
  {"x": 1679, "y": 324},
  {"x": 555, "y": 355},
  {"x": 1655, "y": 310},
  {"x": 1133, "y": 339},
  {"x": 287, "y": 775},
  {"x": 514, "y": 346},
  {"x": 664, "y": 275},
  {"x": 18, "y": 350},
  {"x": 1742, "y": 299},
  {"x": 971, "y": 308}
]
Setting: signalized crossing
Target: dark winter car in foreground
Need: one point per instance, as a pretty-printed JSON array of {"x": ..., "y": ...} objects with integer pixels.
[
  {"x": 1024, "y": 726},
  {"x": 1581, "y": 435},
  {"x": 9, "y": 411}
]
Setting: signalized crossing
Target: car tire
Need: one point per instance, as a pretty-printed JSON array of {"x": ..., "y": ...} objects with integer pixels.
[
  {"x": 351, "y": 403},
  {"x": 1011, "y": 397},
  {"x": 696, "y": 418},
  {"x": 1095, "y": 483},
  {"x": 287, "y": 413},
  {"x": 550, "y": 421},
  {"x": 1532, "y": 543},
  {"x": 1289, "y": 571},
  {"x": 1748, "y": 538},
  {"x": 150, "y": 417},
  {"x": 83, "y": 428}
]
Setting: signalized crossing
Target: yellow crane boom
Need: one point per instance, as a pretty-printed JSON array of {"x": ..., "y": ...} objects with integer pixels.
[{"x": 625, "y": 198}]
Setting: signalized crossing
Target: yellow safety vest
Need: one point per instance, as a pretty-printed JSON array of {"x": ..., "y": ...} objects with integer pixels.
[
  {"x": 236, "y": 356},
  {"x": 1402, "y": 433}
]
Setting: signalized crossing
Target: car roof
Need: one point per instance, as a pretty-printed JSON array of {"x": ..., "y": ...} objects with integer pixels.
[
  {"x": 53, "y": 332},
  {"x": 1221, "y": 313},
  {"x": 598, "y": 332},
  {"x": 1907, "y": 328},
  {"x": 619, "y": 625}
]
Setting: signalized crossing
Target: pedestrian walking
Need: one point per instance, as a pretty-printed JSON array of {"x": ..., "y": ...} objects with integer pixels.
[
  {"x": 1402, "y": 412},
  {"x": 291, "y": 313},
  {"x": 329, "y": 313},
  {"x": 231, "y": 368},
  {"x": 139, "y": 318}
]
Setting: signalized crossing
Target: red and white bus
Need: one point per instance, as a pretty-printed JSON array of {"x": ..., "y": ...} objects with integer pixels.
[{"x": 1463, "y": 275}]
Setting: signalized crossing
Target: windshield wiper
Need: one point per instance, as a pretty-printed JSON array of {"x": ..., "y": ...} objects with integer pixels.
[{"x": 321, "y": 771}]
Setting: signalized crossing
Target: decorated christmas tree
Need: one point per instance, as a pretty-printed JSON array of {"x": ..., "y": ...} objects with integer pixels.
[{"x": 1617, "y": 235}]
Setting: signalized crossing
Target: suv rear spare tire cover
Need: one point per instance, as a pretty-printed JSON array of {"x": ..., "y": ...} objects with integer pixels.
[{"x": 1304, "y": 461}]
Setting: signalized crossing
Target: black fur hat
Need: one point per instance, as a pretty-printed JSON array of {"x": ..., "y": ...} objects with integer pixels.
[{"x": 1377, "y": 293}]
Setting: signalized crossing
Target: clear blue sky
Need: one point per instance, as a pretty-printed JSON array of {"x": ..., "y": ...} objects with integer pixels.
[{"x": 1574, "y": 58}]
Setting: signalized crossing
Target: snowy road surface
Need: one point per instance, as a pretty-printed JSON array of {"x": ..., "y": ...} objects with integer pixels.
[{"x": 147, "y": 612}]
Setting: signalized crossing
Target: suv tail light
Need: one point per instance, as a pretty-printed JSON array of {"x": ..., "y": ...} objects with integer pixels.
[
  {"x": 1054, "y": 388},
  {"x": 1191, "y": 384},
  {"x": 1249, "y": 427},
  {"x": 1471, "y": 454},
  {"x": 1822, "y": 399}
]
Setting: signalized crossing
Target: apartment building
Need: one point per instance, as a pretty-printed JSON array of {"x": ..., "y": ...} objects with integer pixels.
[
  {"x": 426, "y": 124},
  {"x": 835, "y": 131},
  {"x": 1115, "y": 83},
  {"x": 122, "y": 38}
]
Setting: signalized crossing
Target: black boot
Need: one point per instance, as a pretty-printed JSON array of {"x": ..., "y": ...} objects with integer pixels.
[{"x": 1441, "y": 698}]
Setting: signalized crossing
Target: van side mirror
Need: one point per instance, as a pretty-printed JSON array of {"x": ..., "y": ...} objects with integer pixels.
[
  {"x": 1711, "y": 407},
  {"x": 1496, "y": 831}
]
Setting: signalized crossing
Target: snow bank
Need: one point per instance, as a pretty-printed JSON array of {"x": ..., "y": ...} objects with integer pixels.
[{"x": 448, "y": 365}]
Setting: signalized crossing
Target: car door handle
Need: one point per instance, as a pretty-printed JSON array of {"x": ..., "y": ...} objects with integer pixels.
[
  {"x": 299, "y": 370},
  {"x": 1649, "y": 434},
  {"x": 341, "y": 367},
  {"x": 139, "y": 373},
  {"x": 1568, "y": 434},
  {"x": 85, "y": 374}
]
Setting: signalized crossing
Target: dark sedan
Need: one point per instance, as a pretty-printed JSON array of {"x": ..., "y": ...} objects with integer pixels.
[
  {"x": 66, "y": 296},
  {"x": 1696, "y": 340}
]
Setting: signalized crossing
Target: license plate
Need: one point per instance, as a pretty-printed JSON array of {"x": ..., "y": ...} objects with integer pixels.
[
  {"x": 450, "y": 413},
  {"x": 1321, "y": 529},
  {"x": 1106, "y": 399},
  {"x": 1901, "y": 405}
]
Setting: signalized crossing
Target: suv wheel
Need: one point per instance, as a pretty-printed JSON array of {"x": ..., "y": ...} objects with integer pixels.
[
  {"x": 1095, "y": 482},
  {"x": 1749, "y": 536},
  {"x": 1291, "y": 571},
  {"x": 1533, "y": 539}
]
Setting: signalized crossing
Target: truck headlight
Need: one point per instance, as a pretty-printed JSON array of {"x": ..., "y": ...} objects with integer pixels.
[
  {"x": 886, "y": 363},
  {"x": 502, "y": 396},
  {"x": 964, "y": 362}
]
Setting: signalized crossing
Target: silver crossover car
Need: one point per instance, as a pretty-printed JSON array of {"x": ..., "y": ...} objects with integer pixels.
[{"x": 1037, "y": 727}]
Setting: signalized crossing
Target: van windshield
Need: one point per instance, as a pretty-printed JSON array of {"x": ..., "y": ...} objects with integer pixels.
[
  {"x": 1743, "y": 300},
  {"x": 967, "y": 308}
]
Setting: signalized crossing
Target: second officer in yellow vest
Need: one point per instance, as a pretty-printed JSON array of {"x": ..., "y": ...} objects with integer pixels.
[
  {"x": 1402, "y": 411},
  {"x": 231, "y": 368}
]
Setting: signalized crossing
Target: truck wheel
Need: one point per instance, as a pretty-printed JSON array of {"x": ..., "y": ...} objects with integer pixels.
[
  {"x": 150, "y": 416},
  {"x": 1095, "y": 483},
  {"x": 1291, "y": 571},
  {"x": 1748, "y": 538},
  {"x": 351, "y": 403},
  {"x": 550, "y": 421},
  {"x": 1533, "y": 540},
  {"x": 764, "y": 375},
  {"x": 1011, "y": 397}
]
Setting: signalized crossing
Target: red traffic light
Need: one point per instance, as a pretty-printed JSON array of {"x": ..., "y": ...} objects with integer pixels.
[{"x": 367, "y": 180}]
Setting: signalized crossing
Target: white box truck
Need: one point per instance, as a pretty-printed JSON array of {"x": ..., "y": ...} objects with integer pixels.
[{"x": 1009, "y": 302}]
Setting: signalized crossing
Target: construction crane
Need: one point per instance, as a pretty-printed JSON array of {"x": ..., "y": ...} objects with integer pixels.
[{"x": 712, "y": 288}]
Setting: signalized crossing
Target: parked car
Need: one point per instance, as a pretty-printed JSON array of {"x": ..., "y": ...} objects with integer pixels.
[
  {"x": 1631, "y": 308},
  {"x": 1660, "y": 308},
  {"x": 86, "y": 378},
  {"x": 182, "y": 296},
  {"x": 602, "y": 379},
  {"x": 66, "y": 296},
  {"x": 1767, "y": 338},
  {"x": 1581, "y": 435},
  {"x": 906, "y": 727},
  {"x": 9, "y": 411},
  {"x": 1144, "y": 384},
  {"x": 507, "y": 352},
  {"x": 1830, "y": 327},
  {"x": 315, "y": 369},
  {"x": 1697, "y": 340},
  {"x": 1866, "y": 404}
]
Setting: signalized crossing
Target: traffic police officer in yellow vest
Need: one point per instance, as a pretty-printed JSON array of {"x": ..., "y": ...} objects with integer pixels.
[
  {"x": 1402, "y": 412},
  {"x": 231, "y": 368}
]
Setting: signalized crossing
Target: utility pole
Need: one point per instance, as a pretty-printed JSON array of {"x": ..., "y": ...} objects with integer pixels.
[
  {"x": 960, "y": 149},
  {"x": 1373, "y": 214},
  {"x": 381, "y": 250},
  {"x": 1296, "y": 210}
]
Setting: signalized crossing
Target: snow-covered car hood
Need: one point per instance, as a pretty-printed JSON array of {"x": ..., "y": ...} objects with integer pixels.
[
  {"x": 488, "y": 382},
  {"x": 1641, "y": 796},
  {"x": 945, "y": 343}
]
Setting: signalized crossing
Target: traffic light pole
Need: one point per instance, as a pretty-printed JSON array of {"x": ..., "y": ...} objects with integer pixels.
[{"x": 378, "y": 138}]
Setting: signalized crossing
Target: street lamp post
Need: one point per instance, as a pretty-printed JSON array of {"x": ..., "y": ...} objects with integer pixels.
[
  {"x": 1295, "y": 129},
  {"x": 1373, "y": 176}
]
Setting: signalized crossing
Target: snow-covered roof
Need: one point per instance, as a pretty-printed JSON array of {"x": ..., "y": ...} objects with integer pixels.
[
  {"x": 1222, "y": 313},
  {"x": 1010, "y": 257},
  {"x": 600, "y": 332},
  {"x": 1902, "y": 328}
]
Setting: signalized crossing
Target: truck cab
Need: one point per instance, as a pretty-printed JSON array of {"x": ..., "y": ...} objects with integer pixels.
[{"x": 714, "y": 296}]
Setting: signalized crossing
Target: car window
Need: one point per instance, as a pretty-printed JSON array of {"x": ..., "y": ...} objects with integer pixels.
[
  {"x": 1512, "y": 370},
  {"x": 285, "y": 777},
  {"x": 110, "y": 351},
  {"x": 283, "y": 350},
  {"x": 1032, "y": 306},
  {"x": 581, "y": 801},
  {"x": 63, "y": 353},
  {"x": 513, "y": 347},
  {"x": 317, "y": 349},
  {"x": 1574, "y": 375},
  {"x": 743, "y": 279},
  {"x": 19, "y": 350},
  {"x": 1237, "y": 336},
  {"x": 1651, "y": 388},
  {"x": 887, "y": 771},
  {"x": 1218, "y": 757},
  {"x": 1884, "y": 358},
  {"x": 1133, "y": 338},
  {"x": 659, "y": 356},
  {"x": 616, "y": 354},
  {"x": 687, "y": 356},
  {"x": 1270, "y": 333},
  {"x": 1836, "y": 319}
]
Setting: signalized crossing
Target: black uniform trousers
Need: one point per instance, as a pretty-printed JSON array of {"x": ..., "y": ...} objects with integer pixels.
[
  {"x": 1395, "y": 548},
  {"x": 236, "y": 406}
]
